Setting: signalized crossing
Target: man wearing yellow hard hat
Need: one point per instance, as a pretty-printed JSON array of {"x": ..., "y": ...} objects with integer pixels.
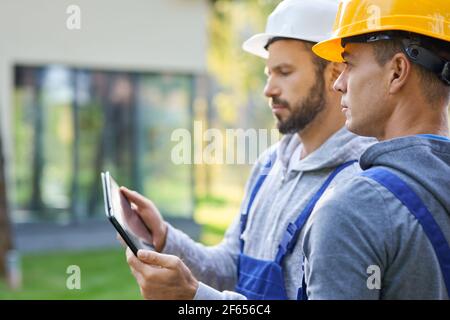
[{"x": 385, "y": 234}]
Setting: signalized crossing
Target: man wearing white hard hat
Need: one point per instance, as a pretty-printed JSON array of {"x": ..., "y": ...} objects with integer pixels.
[{"x": 260, "y": 256}]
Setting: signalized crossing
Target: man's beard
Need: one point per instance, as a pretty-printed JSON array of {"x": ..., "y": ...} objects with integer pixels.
[{"x": 305, "y": 112}]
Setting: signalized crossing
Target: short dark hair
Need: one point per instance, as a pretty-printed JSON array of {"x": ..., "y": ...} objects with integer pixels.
[
  {"x": 319, "y": 62},
  {"x": 434, "y": 89}
]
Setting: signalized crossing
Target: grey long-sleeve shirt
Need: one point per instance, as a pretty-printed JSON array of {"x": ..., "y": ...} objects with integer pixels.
[{"x": 290, "y": 185}]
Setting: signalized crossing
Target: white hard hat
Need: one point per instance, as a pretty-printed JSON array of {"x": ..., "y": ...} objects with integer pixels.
[{"x": 309, "y": 20}]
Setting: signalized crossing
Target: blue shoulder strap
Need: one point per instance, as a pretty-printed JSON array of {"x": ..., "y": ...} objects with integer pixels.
[
  {"x": 262, "y": 177},
  {"x": 415, "y": 205},
  {"x": 293, "y": 230}
]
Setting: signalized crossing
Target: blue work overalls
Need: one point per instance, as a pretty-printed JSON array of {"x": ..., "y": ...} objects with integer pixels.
[
  {"x": 263, "y": 279},
  {"x": 402, "y": 191}
]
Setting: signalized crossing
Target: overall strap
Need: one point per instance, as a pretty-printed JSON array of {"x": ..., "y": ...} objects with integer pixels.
[
  {"x": 262, "y": 177},
  {"x": 415, "y": 205},
  {"x": 293, "y": 230}
]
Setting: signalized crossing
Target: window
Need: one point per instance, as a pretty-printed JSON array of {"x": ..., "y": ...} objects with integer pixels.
[{"x": 70, "y": 124}]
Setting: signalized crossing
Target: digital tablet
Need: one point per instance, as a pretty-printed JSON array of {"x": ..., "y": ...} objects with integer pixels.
[{"x": 127, "y": 223}]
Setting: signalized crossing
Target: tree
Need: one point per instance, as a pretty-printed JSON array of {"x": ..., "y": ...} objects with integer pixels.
[
  {"x": 36, "y": 203},
  {"x": 5, "y": 234}
]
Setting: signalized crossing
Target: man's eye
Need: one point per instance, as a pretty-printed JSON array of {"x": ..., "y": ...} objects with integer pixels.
[{"x": 285, "y": 72}]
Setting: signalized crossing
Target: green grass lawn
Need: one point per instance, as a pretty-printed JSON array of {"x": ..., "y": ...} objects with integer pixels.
[{"x": 104, "y": 275}]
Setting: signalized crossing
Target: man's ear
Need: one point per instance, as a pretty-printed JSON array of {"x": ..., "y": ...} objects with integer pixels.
[
  {"x": 333, "y": 71},
  {"x": 399, "y": 72}
]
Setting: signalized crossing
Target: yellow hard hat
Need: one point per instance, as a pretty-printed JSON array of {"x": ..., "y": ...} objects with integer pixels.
[{"x": 358, "y": 17}]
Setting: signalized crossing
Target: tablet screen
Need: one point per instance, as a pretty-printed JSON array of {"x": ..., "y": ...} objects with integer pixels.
[{"x": 129, "y": 220}]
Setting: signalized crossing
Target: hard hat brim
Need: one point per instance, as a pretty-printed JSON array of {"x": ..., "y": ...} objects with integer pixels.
[
  {"x": 330, "y": 49},
  {"x": 256, "y": 44}
]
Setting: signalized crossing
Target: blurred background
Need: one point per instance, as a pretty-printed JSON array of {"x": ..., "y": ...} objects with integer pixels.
[{"x": 107, "y": 95}]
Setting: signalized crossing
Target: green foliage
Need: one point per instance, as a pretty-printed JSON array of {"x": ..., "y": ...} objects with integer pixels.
[
  {"x": 210, "y": 200},
  {"x": 239, "y": 74},
  {"x": 237, "y": 100}
]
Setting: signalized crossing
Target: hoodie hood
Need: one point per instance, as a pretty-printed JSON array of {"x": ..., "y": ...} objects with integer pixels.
[
  {"x": 342, "y": 146},
  {"x": 424, "y": 161}
]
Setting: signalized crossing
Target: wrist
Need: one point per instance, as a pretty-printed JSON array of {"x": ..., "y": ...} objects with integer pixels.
[{"x": 192, "y": 289}]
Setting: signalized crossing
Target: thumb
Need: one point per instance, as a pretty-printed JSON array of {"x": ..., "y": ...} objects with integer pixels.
[
  {"x": 134, "y": 196},
  {"x": 144, "y": 208},
  {"x": 157, "y": 259},
  {"x": 150, "y": 215}
]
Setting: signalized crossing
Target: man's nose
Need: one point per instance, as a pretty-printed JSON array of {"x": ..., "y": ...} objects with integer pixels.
[
  {"x": 340, "y": 84},
  {"x": 271, "y": 89}
]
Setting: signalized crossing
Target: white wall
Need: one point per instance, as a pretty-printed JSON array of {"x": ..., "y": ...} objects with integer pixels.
[
  {"x": 143, "y": 35},
  {"x": 136, "y": 34}
]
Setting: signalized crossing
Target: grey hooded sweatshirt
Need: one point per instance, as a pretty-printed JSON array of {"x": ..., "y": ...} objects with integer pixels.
[
  {"x": 289, "y": 186},
  {"x": 359, "y": 230}
]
